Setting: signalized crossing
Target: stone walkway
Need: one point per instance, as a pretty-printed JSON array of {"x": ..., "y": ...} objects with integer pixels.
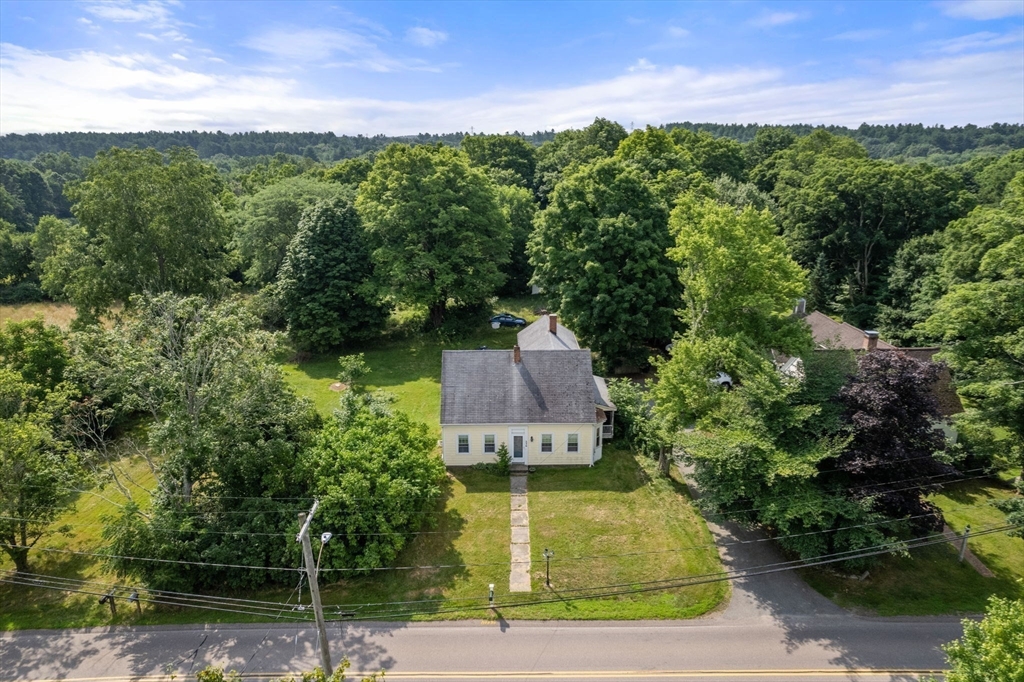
[{"x": 519, "y": 578}]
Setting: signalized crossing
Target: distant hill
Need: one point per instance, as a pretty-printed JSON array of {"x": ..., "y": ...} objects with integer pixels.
[{"x": 905, "y": 141}]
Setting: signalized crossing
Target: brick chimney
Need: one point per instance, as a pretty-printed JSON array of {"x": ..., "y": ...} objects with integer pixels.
[
  {"x": 870, "y": 341},
  {"x": 517, "y": 356},
  {"x": 553, "y": 324}
]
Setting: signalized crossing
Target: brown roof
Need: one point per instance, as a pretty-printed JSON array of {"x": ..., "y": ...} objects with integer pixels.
[{"x": 828, "y": 333}]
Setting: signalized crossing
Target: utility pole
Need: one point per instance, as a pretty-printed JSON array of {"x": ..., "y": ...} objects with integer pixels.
[
  {"x": 314, "y": 588},
  {"x": 963, "y": 543}
]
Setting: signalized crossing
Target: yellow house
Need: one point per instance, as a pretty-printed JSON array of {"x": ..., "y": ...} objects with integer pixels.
[{"x": 541, "y": 399}]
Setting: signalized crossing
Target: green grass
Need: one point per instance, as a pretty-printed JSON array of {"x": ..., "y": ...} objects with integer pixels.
[
  {"x": 619, "y": 506},
  {"x": 613, "y": 508},
  {"x": 409, "y": 367},
  {"x": 932, "y": 581}
]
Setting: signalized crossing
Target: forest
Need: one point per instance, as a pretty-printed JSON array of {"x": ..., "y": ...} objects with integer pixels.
[{"x": 195, "y": 260}]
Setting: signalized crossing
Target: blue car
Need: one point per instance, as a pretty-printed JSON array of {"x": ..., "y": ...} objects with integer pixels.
[{"x": 507, "y": 320}]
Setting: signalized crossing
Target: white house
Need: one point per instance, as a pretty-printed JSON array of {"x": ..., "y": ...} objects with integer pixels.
[{"x": 541, "y": 399}]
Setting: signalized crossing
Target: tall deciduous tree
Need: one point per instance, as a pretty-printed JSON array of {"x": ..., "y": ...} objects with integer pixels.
[
  {"x": 599, "y": 253},
  {"x": 268, "y": 220},
  {"x": 506, "y": 155},
  {"x": 666, "y": 166},
  {"x": 437, "y": 233},
  {"x": 713, "y": 156},
  {"x": 981, "y": 326},
  {"x": 890, "y": 416},
  {"x": 846, "y": 218},
  {"x": 573, "y": 148},
  {"x": 519, "y": 208},
  {"x": 148, "y": 223},
  {"x": 38, "y": 469},
  {"x": 992, "y": 649},
  {"x": 737, "y": 275},
  {"x": 325, "y": 282}
]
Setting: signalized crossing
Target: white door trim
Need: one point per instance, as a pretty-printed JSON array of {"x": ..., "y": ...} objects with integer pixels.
[{"x": 512, "y": 433}]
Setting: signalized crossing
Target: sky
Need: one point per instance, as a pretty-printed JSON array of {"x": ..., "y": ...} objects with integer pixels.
[{"x": 410, "y": 67}]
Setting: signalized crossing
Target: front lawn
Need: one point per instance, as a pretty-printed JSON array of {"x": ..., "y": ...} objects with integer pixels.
[{"x": 931, "y": 581}]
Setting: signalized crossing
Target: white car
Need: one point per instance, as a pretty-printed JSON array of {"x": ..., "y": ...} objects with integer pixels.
[{"x": 722, "y": 379}]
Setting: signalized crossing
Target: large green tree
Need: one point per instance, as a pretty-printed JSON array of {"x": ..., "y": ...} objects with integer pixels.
[
  {"x": 519, "y": 208},
  {"x": 846, "y": 218},
  {"x": 598, "y": 251},
  {"x": 224, "y": 431},
  {"x": 667, "y": 167},
  {"x": 267, "y": 221},
  {"x": 573, "y": 148},
  {"x": 992, "y": 649},
  {"x": 148, "y": 223},
  {"x": 713, "y": 156},
  {"x": 438, "y": 235},
  {"x": 509, "y": 158},
  {"x": 737, "y": 275},
  {"x": 325, "y": 283},
  {"x": 38, "y": 466},
  {"x": 981, "y": 326}
]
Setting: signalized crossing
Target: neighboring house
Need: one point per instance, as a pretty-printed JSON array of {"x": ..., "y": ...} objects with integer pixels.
[
  {"x": 831, "y": 335},
  {"x": 541, "y": 399}
]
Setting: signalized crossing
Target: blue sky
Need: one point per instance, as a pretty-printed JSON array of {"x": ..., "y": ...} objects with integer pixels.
[{"x": 408, "y": 67}]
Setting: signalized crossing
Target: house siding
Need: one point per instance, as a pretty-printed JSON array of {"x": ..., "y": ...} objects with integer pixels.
[{"x": 534, "y": 457}]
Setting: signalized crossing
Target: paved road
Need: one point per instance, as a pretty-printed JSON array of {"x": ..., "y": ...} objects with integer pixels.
[
  {"x": 774, "y": 628},
  {"x": 816, "y": 648}
]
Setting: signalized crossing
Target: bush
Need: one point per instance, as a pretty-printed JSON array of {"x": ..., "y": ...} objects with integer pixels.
[
  {"x": 992, "y": 649},
  {"x": 504, "y": 462}
]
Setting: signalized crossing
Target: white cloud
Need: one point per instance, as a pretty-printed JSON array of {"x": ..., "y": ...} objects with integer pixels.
[
  {"x": 861, "y": 35},
  {"x": 983, "y": 40},
  {"x": 982, "y": 10},
  {"x": 308, "y": 45},
  {"x": 179, "y": 57},
  {"x": 770, "y": 19},
  {"x": 678, "y": 32},
  {"x": 141, "y": 92},
  {"x": 125, "y": 11},
  {"x": 642, "y": 65},
  {"x": 425, "y": 37}
]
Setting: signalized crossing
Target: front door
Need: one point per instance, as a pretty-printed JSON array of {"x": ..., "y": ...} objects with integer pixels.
[{"x": 518, "y": 437}]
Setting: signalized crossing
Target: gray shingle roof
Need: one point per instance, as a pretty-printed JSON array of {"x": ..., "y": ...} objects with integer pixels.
[
  {"x": 601, "y": 396},
  {"x": 487, "y": 387},
  {"x": 538, "y": 336}
]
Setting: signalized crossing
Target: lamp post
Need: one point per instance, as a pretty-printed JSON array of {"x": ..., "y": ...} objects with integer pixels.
[{"x": 547, "y": 569}]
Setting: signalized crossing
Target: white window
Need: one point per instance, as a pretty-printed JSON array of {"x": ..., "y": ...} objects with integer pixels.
[
  {"x": 489, "y": 443},
  {"x": 463, "y": 444},
  {"x": 545, "y": 442},
  {"x": 573, "y": 444}
]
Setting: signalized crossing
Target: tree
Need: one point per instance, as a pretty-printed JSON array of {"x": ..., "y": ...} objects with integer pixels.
[
  {"x": 519, "y": 209},
  {"x": 325, "y": 282},
  {"x": 147, "y": 223},
  {"x": 38, "y": 468},
  {"x": 438, "y": 236},
  {"x": 508, "y": 154},
  {"x": 992, "y": 649},
  {"x": 349, "y": 171},
  {"x": 36, "y": 351},
  {"x": 375, "y": 473},
  {"x": 766, "y": 142},
  {"x": 667, "y": 167},
  {"x": 18, "y": 283},
  {"x": 598, "y": 251},
  {"x": 225, "y": 436},
  {"x": 268, "y": 220},
  {"x": 573, "y": 148},
  {"x": 889, "y": 461},
  {"x": 737, "y": 275},
  {"x": 713, "y": 156},
  {"x": 846, "y": 217}
]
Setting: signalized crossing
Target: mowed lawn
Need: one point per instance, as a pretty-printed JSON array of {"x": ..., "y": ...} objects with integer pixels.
[
  {"x": 931, "y": 581},
  {"x": 616, "y": 507}
]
